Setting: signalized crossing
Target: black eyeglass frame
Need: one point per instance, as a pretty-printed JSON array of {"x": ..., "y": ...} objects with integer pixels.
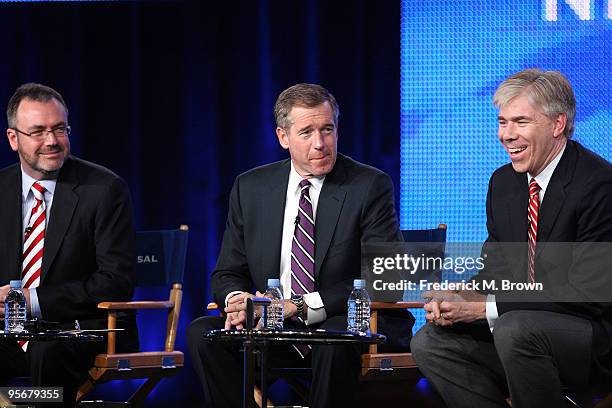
[{"x": 43, "y": 132}]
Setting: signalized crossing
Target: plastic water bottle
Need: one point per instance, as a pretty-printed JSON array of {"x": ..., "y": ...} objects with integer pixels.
[
  {"x": 276, "y": 310},
  {"x": 14, "y": 309},
  {"x": 359, "y": 308}
]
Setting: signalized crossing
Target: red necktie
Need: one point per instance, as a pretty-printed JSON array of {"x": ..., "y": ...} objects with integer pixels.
[
  {"x": 532, "y": 219},
  {"x": 33, "y": 244},
  {"x": 33, "y": 240}
]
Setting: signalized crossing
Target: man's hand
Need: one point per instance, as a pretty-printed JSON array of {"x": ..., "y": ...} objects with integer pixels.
[
  {"x": 236, "y": 310},
  {"x": 3, "y": 292},
  {"x": 448, "y": 307},
  {"x": 291, "y": 309}
]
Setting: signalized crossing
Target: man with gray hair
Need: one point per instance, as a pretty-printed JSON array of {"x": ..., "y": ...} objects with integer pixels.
[
  {"x": 478, "y": 347},
  {"x": 301, "y": 220}
]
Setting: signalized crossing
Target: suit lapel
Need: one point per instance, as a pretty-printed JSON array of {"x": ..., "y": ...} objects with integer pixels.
[
  {"x": 517, "y": 203},
  {"x": 11, "y": 223},
  {"x": 272, "y": 217},
  {"x": 64, "y": 203},
  {"x": 328, "y": 211},
  {"x": 517, "y": 208},
  {"x": 555, "y": 192}
]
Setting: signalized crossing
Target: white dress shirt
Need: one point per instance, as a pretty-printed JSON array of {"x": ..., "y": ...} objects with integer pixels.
[
  {"x": 316, "y": 310},
  {"x": 542, "y": 179}
]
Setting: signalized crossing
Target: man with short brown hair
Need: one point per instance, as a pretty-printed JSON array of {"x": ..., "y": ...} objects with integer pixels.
[
  {"x": 67, "y": 233},
  {"x": 301, "y": 220}
]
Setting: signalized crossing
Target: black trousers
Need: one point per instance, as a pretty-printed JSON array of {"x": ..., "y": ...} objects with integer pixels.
[
  {"x": 529, "y": 355},
  {"x": 50, "y": 364},
  {"x": 219, "y": 365}
]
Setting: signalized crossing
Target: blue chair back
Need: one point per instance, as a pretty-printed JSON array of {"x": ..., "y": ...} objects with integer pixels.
[
  {"x": 432, "y": 243},
  {"x": 427, "y": 235},
  {"x": 160, "y": 256}
]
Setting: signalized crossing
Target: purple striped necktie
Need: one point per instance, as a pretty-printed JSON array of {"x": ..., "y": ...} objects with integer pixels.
[
  {"x": 303, "y": 253},
  {"x": 303, "y": 245}
]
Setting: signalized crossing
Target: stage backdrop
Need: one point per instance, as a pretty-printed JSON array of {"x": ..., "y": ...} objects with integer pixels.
[
  {"x": 453, "y": 56},
  {"x": 177, "y": 96}
]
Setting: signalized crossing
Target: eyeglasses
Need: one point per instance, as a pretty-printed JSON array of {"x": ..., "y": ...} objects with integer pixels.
[{"x": 58, "y": 131}]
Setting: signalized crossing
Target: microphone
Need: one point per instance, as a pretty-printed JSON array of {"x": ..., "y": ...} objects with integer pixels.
[
  {"x": 297, "y": 220},
  {"x": 28, "y": 230}
]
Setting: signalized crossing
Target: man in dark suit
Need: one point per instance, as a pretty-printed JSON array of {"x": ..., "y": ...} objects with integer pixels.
[
  {"x": 67, "y": 233},
  {"x": 556, "y": 196},
  {"x": 350, "y": 203}
]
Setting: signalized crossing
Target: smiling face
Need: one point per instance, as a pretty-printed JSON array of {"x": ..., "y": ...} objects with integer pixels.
[
  {"x": 531, "y": 138},
  {"x": 311, "y": 139},
  {"x": 40, "y": 158}
]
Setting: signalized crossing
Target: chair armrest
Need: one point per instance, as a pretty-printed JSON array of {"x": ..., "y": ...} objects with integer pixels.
[
  {"x": 136, "y": 305},
  {"x": 396, "y": 305}
]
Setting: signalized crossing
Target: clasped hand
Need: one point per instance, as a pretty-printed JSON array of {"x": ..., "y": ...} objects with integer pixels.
[
  {"x": 236, "y": 309},
  {"x": 4, "y": 291},
  {"x": 446, "y": 307}
]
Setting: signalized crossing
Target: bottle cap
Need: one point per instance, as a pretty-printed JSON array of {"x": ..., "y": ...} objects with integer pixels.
[
  {"x": 359, "y": 283},
  {"x": 16, "y": 284},
  {"x": 274, "y": 283}
]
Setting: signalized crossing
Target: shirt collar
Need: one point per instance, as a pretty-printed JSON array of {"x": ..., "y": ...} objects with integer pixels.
[
  {"x": 544, "y": 177},
  {"x": 27, "y": 181},
  {"x": 295, "y": 179}
]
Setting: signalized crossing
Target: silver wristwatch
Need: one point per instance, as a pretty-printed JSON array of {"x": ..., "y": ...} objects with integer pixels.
[{"x": 298, "y": 301}]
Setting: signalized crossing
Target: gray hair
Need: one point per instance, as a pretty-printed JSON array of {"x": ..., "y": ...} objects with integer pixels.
[
  {"x": 304, "y": 95},
  {"x": 34, "y": 92},
  {"x": 549, "y": 91}
]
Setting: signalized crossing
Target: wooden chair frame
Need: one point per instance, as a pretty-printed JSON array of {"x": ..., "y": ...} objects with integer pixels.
[
  {"x": 389, "y": 366},
  {"x": 152, "y": 365}
]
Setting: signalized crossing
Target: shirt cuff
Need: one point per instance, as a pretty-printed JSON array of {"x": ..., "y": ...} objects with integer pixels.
[
  {"x": 231, "y": 294},
  {"x": 491, "y": 310},
  {"x": 316, "y": 310},
  {"x": 34, "y": 305}
]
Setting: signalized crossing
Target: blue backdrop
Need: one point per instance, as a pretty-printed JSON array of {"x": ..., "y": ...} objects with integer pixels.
[{"x": 453, "y": 57}]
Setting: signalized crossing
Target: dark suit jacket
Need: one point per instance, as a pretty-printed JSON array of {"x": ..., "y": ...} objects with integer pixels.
[
  {"x": 356, "y": 204},
  {"x": 89, "y": 243},
  {"x": 577, "y": 208}
]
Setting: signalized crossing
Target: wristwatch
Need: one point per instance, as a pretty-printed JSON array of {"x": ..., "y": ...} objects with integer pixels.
[{"x": 298, "y": 301}]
